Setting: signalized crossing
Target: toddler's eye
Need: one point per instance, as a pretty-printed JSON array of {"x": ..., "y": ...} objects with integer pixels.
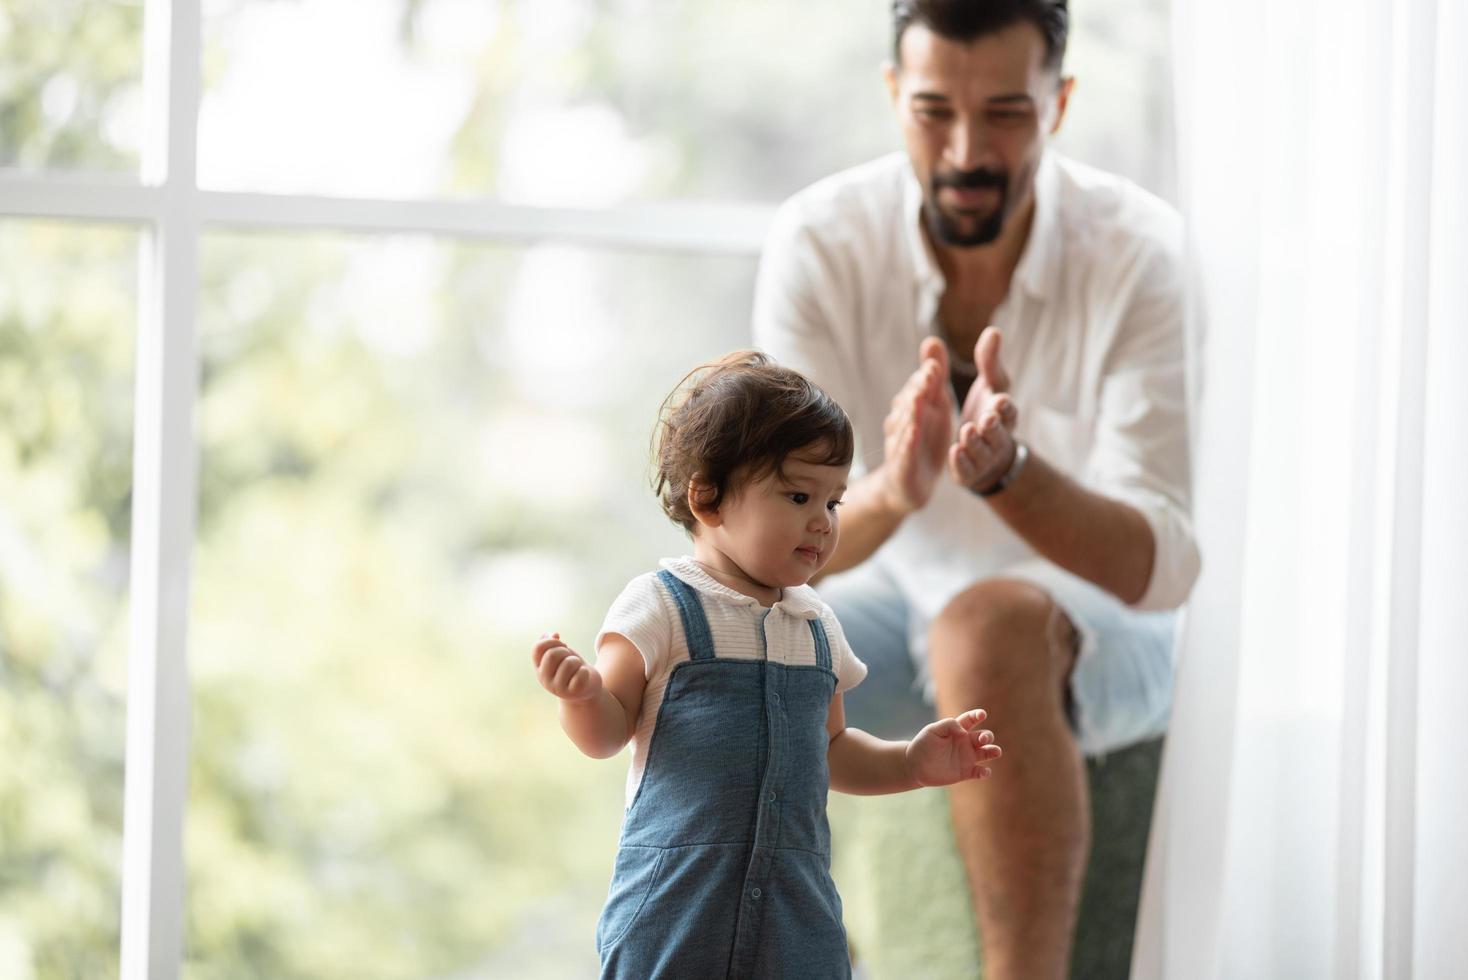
[
  {"x": 800, "y": 498},
  {"x": 832, "y": 505}
]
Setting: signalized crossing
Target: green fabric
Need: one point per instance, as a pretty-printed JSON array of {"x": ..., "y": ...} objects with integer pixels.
[{"x": 907, "y": 904}]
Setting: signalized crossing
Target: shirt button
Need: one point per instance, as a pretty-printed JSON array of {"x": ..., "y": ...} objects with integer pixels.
[
  {"x": 756, "y": 893},
  {"x": 776, "y": 696}
]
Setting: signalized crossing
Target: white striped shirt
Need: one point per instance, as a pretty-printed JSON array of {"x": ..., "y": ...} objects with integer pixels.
[{"x": 646, "y": 615}]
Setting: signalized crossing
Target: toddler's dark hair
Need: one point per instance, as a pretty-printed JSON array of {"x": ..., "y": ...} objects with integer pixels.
[{"x": 737, "y": 419}]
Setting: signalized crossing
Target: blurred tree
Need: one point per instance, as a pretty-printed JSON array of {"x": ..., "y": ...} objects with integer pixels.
[
  {"x": 71, "y": 86},
  {"x": 66, "y": 341}
]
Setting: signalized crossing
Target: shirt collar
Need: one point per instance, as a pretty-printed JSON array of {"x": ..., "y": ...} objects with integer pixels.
[
  {"x": 1039, "y": 265},
  {"x": 799, "y": 601},
  {"x": 929, "y": 275}
]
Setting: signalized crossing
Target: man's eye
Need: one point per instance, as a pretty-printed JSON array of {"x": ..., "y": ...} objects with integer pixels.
[
  {"x": 933, "y": 115},
  {"x": 800, "y": 498},
  {"x": 1007, "y": 118}
]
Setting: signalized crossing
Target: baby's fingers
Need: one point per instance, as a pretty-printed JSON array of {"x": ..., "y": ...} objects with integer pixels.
[
  {"x": 972, "y": 719},
  {"x": 566, "y": 672},
  {"x": 585, "y": 683},
  {"x": 550, "y": 662},
  {"x": 547, "y": 641},
  {"x": 989, "y": 753}
]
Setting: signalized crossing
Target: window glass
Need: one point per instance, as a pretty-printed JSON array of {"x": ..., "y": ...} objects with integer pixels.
[
  {"x": 566, "y": 102},
  {"x": 576, "y": 102},
  {"x": 416, "y": 457},
  {"x": 1120, "y": 115},
  {"x": 71, "y": 85},
  {"x": 68, "y": 311}
]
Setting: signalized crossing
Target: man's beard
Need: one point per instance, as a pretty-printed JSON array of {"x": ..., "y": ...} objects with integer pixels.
[{"x": 967, "y": 232}]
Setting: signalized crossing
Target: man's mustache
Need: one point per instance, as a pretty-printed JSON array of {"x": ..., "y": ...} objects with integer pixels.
[{"x": 972, "y": 179}]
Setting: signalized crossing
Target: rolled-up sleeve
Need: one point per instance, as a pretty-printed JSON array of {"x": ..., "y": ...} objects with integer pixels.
[{"x": 1141, "y": 451}]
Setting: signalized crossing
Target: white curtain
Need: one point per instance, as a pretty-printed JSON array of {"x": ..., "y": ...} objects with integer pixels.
[{"x": 1313, "y": 814}]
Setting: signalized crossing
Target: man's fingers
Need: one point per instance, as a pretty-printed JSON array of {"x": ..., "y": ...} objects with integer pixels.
[
  {"x": 933, "y": 349},
  {"x": 986, "y": 356},
  {"x": 977, "y": 443},
  {"x": 1008, "y": 411},
  {"x": 932, "y": 363},
  {"x": 995, "y": 436},
  {"x": 961, "y": 464}
]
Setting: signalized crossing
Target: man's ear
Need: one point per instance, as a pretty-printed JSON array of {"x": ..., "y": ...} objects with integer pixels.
[
  {"x": 700, "y": 496},
  {"x": 1062, "y": 99},
  {"x": 889, "y": 75}
]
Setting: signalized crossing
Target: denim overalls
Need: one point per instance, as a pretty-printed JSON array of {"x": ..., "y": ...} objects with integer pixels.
[{"x": 724, "y": 863}]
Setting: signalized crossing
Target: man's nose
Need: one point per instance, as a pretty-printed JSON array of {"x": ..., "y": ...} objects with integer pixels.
[{"x": 966, "y": 144}]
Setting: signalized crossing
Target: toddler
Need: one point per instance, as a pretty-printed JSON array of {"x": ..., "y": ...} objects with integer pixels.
[{"x": 726, "y": 671}]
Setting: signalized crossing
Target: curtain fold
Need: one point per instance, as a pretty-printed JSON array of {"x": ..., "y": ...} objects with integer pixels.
[{"x": 1310, "y": 815}]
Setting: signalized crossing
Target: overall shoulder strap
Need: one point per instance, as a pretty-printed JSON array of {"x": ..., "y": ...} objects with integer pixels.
[
  {"x": 690, "y": 610},
  {"x": 823, "y": 646}
]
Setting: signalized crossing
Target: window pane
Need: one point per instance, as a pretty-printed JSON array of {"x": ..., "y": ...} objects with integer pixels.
[
  {"x": 541, "y": 101},
  {"x": 575, "y": 102},
  {"x": 72, "y": 85},
  {"x": 1120, "y": 115},
  {"x": 68, "y": 308},
  {"x": 416, "y": 457}
]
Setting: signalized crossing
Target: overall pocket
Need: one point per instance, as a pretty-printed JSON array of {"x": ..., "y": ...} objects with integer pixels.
[{"x": 633, "y": 878}]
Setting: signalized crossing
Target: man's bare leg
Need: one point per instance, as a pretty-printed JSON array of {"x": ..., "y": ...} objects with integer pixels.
[{"x": 1004, "y": 646}]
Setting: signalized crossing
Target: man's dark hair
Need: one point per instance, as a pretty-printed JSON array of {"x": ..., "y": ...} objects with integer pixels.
[
  {"x": 736, "y": 420},
  {"x": 964, "y": 20}
]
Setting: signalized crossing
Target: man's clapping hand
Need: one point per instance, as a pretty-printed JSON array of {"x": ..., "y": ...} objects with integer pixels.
[{"x": 985, "y": 447}]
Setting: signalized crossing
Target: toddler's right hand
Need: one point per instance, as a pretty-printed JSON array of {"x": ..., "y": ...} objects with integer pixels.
[{"x": 562, "y": 671}]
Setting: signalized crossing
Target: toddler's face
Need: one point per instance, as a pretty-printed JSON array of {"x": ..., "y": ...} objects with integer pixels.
[{"x": 781, "y": 529}]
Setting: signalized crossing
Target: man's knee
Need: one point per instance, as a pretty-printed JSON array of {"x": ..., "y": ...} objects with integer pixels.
[{"x": 1003, "y": 632}]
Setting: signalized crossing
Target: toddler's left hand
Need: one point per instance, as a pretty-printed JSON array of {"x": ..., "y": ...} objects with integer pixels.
[{"x": 951, "y": 750}]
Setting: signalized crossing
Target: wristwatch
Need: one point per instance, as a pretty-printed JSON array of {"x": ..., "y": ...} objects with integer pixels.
[{"x": 1021, "y": 455}]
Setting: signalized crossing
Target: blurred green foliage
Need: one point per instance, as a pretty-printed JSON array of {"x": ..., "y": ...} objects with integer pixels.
[
  {"x": 66, "y": 345},
  {"x": 379, "y": 789},
  {"x": 71, "y": 78}
]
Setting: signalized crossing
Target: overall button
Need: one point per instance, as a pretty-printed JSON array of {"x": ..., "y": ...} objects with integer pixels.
[
  {"x": 756, "y": 893},
  {"x": 771, "y": 797}
]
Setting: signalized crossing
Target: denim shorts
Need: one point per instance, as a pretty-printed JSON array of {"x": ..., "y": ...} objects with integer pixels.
[{"x": 1120, "y": 690}]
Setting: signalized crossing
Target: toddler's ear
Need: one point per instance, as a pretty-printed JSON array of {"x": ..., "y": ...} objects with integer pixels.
[{"x": 700, "y": 499}]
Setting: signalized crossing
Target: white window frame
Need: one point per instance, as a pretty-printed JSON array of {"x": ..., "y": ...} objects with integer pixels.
[{"x": 167, "y": 203}]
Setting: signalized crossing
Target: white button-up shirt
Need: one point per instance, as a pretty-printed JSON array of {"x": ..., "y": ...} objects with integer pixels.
[{"x": 1093, "y": 343}]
